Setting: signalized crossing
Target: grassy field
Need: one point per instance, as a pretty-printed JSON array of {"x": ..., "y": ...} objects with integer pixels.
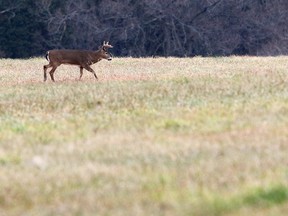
[{"x": 164, "y": 136}]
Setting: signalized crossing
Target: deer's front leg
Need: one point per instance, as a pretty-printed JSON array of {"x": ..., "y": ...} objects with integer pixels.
[{"x": 88, "y": 68}]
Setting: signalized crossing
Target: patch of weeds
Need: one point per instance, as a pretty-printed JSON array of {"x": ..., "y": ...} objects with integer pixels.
[
  {"x": 183, "y": 80},
  {"x": 10, "y": 160},
  {"x": 173, "y": 124},
  {"x": 163, "y": 188},
  {"x": 18, "y": 128}
]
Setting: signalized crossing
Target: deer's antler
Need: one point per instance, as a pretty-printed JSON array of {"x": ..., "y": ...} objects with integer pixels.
[{"x": 106, "y": 45}]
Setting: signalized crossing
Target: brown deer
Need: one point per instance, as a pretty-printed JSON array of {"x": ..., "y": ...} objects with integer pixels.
[{"x": 82, "y": 58}]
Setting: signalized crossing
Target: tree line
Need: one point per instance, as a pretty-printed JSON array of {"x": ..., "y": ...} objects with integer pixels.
[{"x": 145, "y": 27}]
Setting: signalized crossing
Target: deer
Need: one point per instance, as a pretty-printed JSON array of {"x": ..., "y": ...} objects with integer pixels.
[{"x": 82, "y": 58}]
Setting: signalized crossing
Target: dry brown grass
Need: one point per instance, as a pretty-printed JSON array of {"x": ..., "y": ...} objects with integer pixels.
[{"x": 190, "y": 136}]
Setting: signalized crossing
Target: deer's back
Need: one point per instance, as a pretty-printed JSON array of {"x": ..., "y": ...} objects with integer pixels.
[{"x": 75, "y": 57}]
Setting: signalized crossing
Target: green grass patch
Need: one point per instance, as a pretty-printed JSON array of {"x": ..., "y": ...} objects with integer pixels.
[{"x": 255, "y": 198}]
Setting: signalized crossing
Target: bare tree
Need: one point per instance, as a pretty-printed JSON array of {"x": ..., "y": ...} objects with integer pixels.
[{"x": 166, "y": 28}]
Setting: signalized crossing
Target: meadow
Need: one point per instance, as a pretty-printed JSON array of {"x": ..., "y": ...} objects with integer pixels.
[{"x": 153, "y": 136}]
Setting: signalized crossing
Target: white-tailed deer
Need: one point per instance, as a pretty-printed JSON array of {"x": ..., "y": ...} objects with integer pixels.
[{"x": 81, "y": 58}]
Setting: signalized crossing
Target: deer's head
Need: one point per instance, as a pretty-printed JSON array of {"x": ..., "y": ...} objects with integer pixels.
[{"x": 104, "y": 54}]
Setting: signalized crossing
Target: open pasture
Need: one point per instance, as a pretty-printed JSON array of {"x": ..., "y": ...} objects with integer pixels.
[{"x": 153, "y": 136}]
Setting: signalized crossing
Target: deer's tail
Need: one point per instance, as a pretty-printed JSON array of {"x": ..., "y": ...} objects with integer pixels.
[{"x": 47, "y": 56}]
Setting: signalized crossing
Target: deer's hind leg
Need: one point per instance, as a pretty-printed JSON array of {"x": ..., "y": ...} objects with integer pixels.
[
  {"x": 52, "y": 72},
  {"x": 81, "y": 72},
  {"x": 45, "y": 67}
]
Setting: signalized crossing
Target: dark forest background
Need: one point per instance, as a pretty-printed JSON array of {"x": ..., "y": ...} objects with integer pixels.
[{"x": 145, "y": 27}]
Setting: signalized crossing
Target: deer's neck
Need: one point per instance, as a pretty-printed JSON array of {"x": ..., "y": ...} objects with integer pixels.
[{"x": 96, "y": 57}]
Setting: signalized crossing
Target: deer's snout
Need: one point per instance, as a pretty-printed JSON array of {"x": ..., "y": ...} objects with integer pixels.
[{"x": 109, "y": 57}]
